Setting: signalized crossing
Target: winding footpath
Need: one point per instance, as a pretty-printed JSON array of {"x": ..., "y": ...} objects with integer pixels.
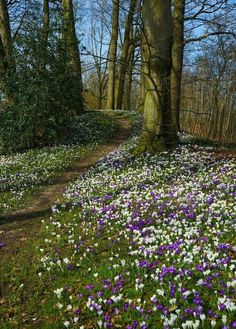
[{"x": 19, "y": 225}]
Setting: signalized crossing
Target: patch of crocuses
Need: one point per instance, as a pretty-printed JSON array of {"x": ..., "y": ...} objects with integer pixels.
[{"x": 147, "y": 242}]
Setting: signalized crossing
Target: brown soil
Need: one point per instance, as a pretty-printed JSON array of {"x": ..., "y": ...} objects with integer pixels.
[
  {"x": 23, "y": 223},
  {"x": 222, "y": 154}
]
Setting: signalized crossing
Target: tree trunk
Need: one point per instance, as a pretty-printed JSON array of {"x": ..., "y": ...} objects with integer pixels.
[
  {"x": 129, "y": 79},
  {"x": 112, "y": 57},
  {"x": 177, "y": 60},
  {"x": 3, "y": 67},
  {"x": 71, "y": 48},
  {"x": 141, "y": 98},
  {"x": 124, "y": 61},
  {"x": 131, "y": 64},
  {"x": 5, "y": 32},
  {"x": 6, "y": 53},
  {"x": 158, "y": 131}
]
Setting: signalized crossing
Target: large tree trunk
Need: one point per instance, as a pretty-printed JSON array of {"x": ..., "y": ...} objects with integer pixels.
[
  {"x": 6, "y": 53},
  {"x": 72, "y": 50},
  {"x": 124, "y": 59},
  {"x": 158, "y": 133},
  {"x": 177, "y": 60},
  {"x": 112, "y": 57}
]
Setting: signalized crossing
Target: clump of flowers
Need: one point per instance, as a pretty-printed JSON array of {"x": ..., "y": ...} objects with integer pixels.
[{"x": 147, "y": 242}]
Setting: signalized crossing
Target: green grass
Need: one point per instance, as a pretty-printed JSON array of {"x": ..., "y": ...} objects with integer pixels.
[{"x": 23, "y": 295}]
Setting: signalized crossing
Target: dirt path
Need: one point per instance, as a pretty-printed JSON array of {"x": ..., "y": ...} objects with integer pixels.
[{"x": 18, "y": 225}]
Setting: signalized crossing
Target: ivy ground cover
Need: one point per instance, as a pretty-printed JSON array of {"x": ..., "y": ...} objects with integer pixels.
[{"x": 145, "y": 242}]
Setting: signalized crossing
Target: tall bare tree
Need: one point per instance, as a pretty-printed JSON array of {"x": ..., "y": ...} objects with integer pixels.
[
  {"x": 177, "y": 60},
  {"x": 98, "y": 51},
  {"x": 129, "y": 75},
  {"x": 112, "y": 56},
  {"x": 124, "y": 58}
]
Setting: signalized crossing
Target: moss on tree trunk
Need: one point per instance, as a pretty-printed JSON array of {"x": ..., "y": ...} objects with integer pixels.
[
  {"x": 72, "y": 50},
  {"x": 158, "y": 130}
]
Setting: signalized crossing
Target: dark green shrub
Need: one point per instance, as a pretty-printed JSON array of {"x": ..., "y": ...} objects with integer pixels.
[
  {"x": 93, "y": 127},
  {"x": 47, "y": 100}
]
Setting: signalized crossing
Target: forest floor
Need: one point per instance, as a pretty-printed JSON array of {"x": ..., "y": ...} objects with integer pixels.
[
  {"x": 20, "y": 228},
  {"x": 141, "y": 243},
  {"x": 18, "y": 224}
]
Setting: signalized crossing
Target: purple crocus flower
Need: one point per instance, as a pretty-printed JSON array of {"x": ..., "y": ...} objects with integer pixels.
[
  {"x": 70, "y": 267},
  {"x": 222, "y": 307},
  {"x": 233, "y": 324},
  {"x": 90, "y": 286},
  {"x": 199, "y": 310},
  {"x": 77, "y": 311},
  {"x": 126, "y": 306},
  {"x": 107, "y": 317},
  {"x": 189, "y": 310},
  {"x": 159, "y": 307},
  {"x": 2, "y": 244},
  {"x": 100, "y": 294}
]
